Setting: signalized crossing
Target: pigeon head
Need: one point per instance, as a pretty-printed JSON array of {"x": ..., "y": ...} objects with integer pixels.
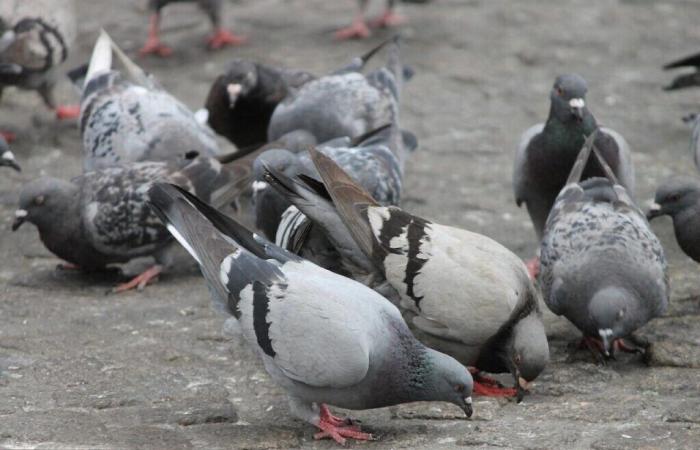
[
  {"x": 675, "y": 196},
  {"x": 530, "y": 350},
  {"x": 7, "y": 158},
  {"x": 568, "y": 98},
  {"x": 449, "y": 381},
  {"x": 239, "y": 80},
  {"x": 44, "y": 202},
  {"x": 611, "y": 312}
]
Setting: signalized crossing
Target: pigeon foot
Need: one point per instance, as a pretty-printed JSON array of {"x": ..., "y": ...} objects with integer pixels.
[
  {"x": 388, "y": 19},
  {"x": 67, "y": 266},
  {"x": 222, "y": 38},
  {"x": 358, "y": 30},
  {"x": 533, "y": 267},
  {"x": 153, "y": 46},
  {"x": 140, "y": 281},
  {"x": 8, "y": 136},
  {"x": 338, "y": 428},
  {"x": 489, "y": 387},
  {"x": 66, "y": 112}
]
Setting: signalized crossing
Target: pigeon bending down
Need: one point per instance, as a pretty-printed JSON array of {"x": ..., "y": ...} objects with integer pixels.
[
  {"x": 602, "y": 266},
  {"x": 359, "y": 29},
  {"x": 7, "y": 158},
  {"x": 326, "y": 339},
  {"x": 546, "y": 152},
  {"x": 346, "y": 103},
  {"x": 102, "y": 217},
  {"x": 679, "y": 197},
  {"x": 35, "y": 39},
  {"x": 687, "y": 79},
  {"x": 128, "y": 117},
  {"x": 462, "y": 293},
  {"x": 219, "y": 39}
]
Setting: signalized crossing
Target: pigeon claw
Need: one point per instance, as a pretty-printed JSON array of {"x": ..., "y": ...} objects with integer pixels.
[
  {"x": 67, "y": 112},
  {"x": 153, "y": 46},
  {"x": 223, "y": 38},
  {"x": 338, "y": 429},
  {"x": 358, "y": 30},
  {"x": 388, "y": 19},
  {"x": 140, "y": 281}
]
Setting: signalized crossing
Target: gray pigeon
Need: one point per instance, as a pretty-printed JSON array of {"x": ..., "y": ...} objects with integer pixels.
[
  {"x": 127, "y": 117},
  {"x": 546, "y": 152},
  {"x": 36, "y": 37},
  {"x": 685, "y": 80},
  {"x": 102, "y": 217},
  {"x": 325, "y": 339},
  {"x": 462, "y": 293},
  {"x": 360, "y": 27},
  {"x": 219, "y": 39},
  {"x": 679, "y": 197},
  {"x": 602, "y": 266},
  {"x": 7, "y": 158},
  {"x": 346, "y": 103}
]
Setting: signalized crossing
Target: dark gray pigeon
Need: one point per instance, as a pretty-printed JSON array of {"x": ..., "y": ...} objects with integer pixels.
[
  {"x": 347, "y": 103},
  {"x": 461, "y": 292},
  {"x": 685, "y": 80},
  {"x": 325, "y": 339},
  {"x": 679, "y": 197},
  {"x": 102, "y": 217},
  {"x": 220, "y": 37},
  {"x": 360, "y": 27},
  {"x": 602, "y": 266},
  {"x": 546, "y": 152},
  {"x": 127, "y": 117},
  {"x": 7, "y": 158}
]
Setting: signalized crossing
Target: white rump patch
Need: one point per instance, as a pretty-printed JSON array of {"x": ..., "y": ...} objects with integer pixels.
[{"x": 577, "y": 103}]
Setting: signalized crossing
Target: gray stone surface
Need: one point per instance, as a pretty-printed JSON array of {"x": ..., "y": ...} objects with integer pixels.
[{"x": 152, "y": 369}]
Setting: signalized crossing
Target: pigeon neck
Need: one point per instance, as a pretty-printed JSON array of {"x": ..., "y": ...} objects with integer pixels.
[
  {"x": 685, "y": 225},
  {"x": 571, "y": 132}
]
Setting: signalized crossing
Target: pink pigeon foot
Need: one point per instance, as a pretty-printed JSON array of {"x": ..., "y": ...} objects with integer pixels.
[
  {"x": 222, "y": 38},
  {"x": 153, "y": 46},
  {"x": 533, "y": 267},
  {"x": 140, "y": 281},
  {"x": 338, "y": 429},
  {"x": 358, "y": 30},
  {"x": 387, "y": 20},
  {"x": 66, "y": 112}
]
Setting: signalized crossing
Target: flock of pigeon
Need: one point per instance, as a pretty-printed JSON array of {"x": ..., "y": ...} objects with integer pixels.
[{"x": 348, "y": 299}]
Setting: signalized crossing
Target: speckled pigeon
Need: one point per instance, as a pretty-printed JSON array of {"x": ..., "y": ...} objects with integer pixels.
[
  {"x": 325, "y": 339},
  {"x": 36, "y": 37},
  {"x": 7, "y": 158},
  {"x": 685, "y": 80},
  {"x": 462, "y": 293},
  {"x": 602, "y": 266},
  {"x": 220, "y": 38},
  {"x": 679, "y": 197},
  {"x": 128, "y": 117},
  {"x": 102, "y": 217}
]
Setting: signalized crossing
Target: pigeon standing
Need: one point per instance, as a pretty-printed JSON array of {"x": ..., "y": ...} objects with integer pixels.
[
  {"x": 7, "y": 158},
  {"x": 128, "y": 117},
  {"x": 546, "y": 152},
  {"x": 35, "y": 39},
  {"x": 687, "y": 79},
  {"x": 326, "y": 339},
  {"x": 679, "y": 198},
  {"x": 102, "y": 217},
  {"x": 219, "y": 39},
  {"x": 602, "y": 266},
  {"x": 462, "y": 293},
  {"x": 360, "y": 28}
]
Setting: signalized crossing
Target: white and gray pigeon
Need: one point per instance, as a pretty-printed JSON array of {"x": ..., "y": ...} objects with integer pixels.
[
  {"x": 102, "y": 217},
  {"x": 360, "y": 27},
  {"x": 602, "y": 266},
  {"x": 127, "y": 117},
  {"x": 7, "y": 158},
  {"x": 546, "y": 152},
  {"x": 679, "y": 198},
  {"x": 346, "y": 103},
  {"x": 36, "y": 37},
  {"x": 220, "y": 37},
  {"x": 461, "y": 292},
  {"x": 690, "y": 79},
  {"x": 325, "y": 339}
]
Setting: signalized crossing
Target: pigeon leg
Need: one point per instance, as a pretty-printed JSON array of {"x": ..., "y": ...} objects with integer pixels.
[
  {"x": 388, "y": 19},
  {"x": 483, "y": 379},
  {"x": 533, "y": 267},
  {"x": 153, "y": 46},
  {"x": 8, "y": 136},
  {"x": 140, "y": 281},
  {"x": 595, "y": 346},
  {"x": 222, "y": 38},
  {"x": 337, "y": 429},
  {"x": 489, "y": 387},
  {"x": 64, "y": 112},
  {"x": 627, "y": 347},
  {"x": 358, "y": 30}
]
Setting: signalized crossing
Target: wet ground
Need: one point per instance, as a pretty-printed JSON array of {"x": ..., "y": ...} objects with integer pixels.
[{"x": 153, "y": 369}]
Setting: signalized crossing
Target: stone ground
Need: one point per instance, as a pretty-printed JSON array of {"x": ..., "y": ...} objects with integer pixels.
[{"x": 152, "y": 369}]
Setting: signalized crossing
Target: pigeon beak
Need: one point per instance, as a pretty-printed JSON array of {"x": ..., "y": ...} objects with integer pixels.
[
  {"x": 20, "y": 218},
  {"x": 605, "y": 337},
  {"x": 467, "y": 407},
  {"x": 577, "y": 105},
  {"x": 233, "y": 90},
  {"x": 655, "y": 210},
  {"x": 8, "y": 159}
]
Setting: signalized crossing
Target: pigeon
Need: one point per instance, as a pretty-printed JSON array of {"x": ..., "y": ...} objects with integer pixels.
[
  {"x": 219, "y": 39},
  {"x": 679, "y": 197},
  {"x": 7, "y": 158},
  {"x": 360, "y": 29},
  {"x": 547, "y": 152},
  {"x": 241, "y": 101},
  {"x": 461, "y": 292},
  {"x": 346, "y": 103},
  {"x": 694, "y": 121},
  {"x": 687, "y": 79},
  {"x": 601, "y": 265},
  {"x": 36, "y": 37},
  {"x": 128, "y": 117},
  {"x": 325, "y": 339},
  {"x": 102, "y": 217}
]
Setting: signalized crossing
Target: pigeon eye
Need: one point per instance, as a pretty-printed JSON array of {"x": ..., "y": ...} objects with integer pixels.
[
  {"x": 674, "y": 197},
  {"x": 559, "y": 91},
  {"x": 39, "y": 200}
]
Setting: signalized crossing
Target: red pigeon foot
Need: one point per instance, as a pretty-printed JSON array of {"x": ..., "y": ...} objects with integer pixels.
[
  {"x": 140, "y": 281},
  {"x": 9, "y": 137},
  {"x": 358, "y": 30},
  {"x": 153, "y": 46},
  {"x": 388, "y": 19},
  {"x": 338, "y": 429},
  {"x": 65, "y": 112},
  {"x": 222, "y": 38}
]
